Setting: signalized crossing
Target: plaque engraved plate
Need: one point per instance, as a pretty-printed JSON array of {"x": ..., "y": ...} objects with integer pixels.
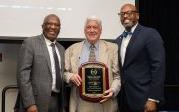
[{"x": 95, "y": 82}]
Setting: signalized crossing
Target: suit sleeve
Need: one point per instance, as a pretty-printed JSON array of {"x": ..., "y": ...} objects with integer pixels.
[
  {"x": 116, "y": 83},
  {"x": 24, "y": 73},
  {"x": 156, "y": 54}
]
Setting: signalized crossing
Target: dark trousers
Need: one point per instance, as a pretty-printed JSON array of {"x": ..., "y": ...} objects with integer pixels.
[
  {"x": 54, "y": 105},
  {"x": 123, "y": 103}
]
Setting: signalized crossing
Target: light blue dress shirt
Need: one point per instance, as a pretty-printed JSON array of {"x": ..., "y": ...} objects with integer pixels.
[{"x": 84, "y": 56}]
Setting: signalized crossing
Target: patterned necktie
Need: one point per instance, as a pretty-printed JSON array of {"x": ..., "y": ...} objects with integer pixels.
[
  {"x": 92, "y": 56},
  {"x": 57, "y": 67}
]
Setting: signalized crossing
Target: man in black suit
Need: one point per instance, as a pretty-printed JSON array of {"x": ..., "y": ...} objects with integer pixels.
[{"x": 142, "y": 57}]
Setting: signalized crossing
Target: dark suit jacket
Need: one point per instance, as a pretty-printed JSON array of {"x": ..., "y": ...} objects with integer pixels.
[
  {"x": 34, "y": 74},
  {"x": 143, "y": 71}
]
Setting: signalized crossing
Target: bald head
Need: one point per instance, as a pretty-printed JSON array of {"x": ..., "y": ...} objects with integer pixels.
[
  {"x": 131, "y": 6},
  {"x": 129, "y": 16}
]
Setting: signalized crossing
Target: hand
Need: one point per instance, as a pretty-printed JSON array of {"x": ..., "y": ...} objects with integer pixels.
[
  {"x": 150, "y": 106},
  {"x": 76, "y": 79},
  {"x": 107, "y": 95},
  {"x": 32, "y": 108}
]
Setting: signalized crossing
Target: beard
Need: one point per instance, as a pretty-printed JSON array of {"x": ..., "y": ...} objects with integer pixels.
[{"x": 128, "y": 24}]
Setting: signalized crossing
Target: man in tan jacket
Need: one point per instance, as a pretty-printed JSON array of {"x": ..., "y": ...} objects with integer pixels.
[{"x": 78, "y": 54}]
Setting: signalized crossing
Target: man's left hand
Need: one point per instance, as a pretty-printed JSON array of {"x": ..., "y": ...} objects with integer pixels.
[
  {"x": 150, "y": 106},
  {"x": 107, "y": 95}
]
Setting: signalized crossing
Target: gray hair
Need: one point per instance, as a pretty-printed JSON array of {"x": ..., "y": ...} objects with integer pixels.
[{"x": 94, "y": 18}]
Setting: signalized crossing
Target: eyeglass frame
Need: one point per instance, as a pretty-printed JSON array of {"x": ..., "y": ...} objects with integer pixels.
[{"x": 128, "y": 13}]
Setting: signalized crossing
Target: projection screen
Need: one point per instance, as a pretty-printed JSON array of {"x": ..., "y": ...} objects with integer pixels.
[{"x": 23, "y": 18}]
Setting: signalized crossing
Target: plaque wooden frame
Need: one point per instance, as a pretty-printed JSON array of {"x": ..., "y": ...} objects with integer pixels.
[{"x": 95, "y": 81}]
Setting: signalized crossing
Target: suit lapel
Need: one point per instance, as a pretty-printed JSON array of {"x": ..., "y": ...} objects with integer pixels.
[
  {"x": 45, "y": 51},
  {"x": 103, "y": 53},
  {"x": 119, "y": 41},
  {"x": 131, "y": 46},
  {"x": 61, "y": 54},
  {"x": 78, "y": 52},
  {"x": 76, "y": 56},
  {"x": 119, "y": 45}
]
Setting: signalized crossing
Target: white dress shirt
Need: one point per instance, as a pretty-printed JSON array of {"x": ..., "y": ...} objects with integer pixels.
[
  {"x": 124, "y": 44},
  {"x": 52, "y": 61}
]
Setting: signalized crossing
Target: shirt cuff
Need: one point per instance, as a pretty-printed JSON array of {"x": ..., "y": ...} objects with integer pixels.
[{"x": 157, "y": 101}]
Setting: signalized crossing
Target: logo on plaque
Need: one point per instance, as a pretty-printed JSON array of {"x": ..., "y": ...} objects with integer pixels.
[
  {"x": 95, "y": 82},
  {"x": 94, "y": 71}
]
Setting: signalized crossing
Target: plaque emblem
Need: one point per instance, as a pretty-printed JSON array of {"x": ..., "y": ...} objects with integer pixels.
[{"x": 94, "y": 71}]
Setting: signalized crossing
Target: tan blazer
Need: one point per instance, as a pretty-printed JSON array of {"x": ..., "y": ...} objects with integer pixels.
[{"x": 108, "y": 54}]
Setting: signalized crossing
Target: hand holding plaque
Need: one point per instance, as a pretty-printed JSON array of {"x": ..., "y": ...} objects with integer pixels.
[{"x": 95, "y": 81}]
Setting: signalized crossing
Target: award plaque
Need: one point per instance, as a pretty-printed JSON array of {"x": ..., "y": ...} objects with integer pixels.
[{"x": 95, "y": 81}]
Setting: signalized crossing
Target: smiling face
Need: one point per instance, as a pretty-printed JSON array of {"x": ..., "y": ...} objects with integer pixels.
[
  {"x": 92, "y": 31},
  {"x": 129, "y": 16},
  {"x": 51, "y": 27}
]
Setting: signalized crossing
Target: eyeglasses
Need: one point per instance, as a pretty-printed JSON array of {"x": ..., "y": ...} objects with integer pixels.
[{"x": 128, "y": 13}]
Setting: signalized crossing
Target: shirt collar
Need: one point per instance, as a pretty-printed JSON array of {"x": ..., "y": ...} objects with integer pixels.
[
  {"x": 87, "y": 44},
  {"x": 48, "y": 42}
]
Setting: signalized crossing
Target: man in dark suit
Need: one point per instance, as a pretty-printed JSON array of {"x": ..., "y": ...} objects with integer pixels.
[
  {"x": 39, "y": 74},
  {"x": 142, "y": 57}
]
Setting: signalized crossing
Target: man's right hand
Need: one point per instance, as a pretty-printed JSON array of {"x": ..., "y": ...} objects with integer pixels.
[
  {"x": 32, "y": 108},
  {"x": 76, "y": 79}
]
